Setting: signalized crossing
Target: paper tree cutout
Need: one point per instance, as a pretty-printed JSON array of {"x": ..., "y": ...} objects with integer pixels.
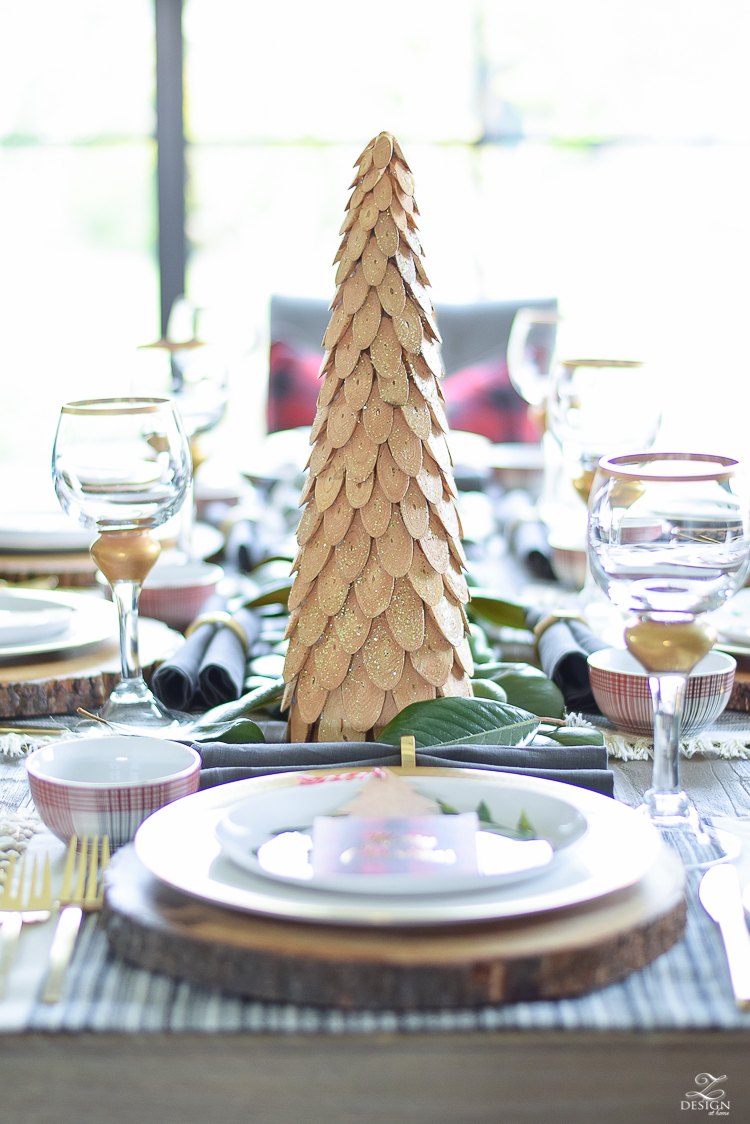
[
  {"x": 377, "y": 618},
  {"x": 384, "y": 793}
]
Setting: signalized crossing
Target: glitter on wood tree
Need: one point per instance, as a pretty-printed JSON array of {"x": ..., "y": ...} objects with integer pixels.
[{"x": 377, "y": 618}]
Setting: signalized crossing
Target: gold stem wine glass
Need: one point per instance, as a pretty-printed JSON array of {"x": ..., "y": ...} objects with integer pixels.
[
  {"x": 122, "y": 466},
  {"x": 668, "y": 540},
  {"x": 598, "y": 407}
]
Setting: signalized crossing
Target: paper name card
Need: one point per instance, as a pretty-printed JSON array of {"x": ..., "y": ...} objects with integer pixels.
[{"x": 429, "y": 845}]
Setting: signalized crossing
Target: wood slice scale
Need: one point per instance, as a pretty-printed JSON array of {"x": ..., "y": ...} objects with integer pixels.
[
  {"x": 309, "y": 523},
  {"x": 312, "y": 620},
  {"x": 358, "y": 492},
  {"x": 363, "y": 699},
  {"x": 351, "y": 624},
  {"x": 331, "y": 588},
  {"x": 374, "y": 587},
  {"x": 376, "y": 514},
  {"x": 383, "y": 656},
  {"x": 337, "y": 519},
  {"x": 359, "y": 383},
  {"x": 352, "y": 553},
  {"x": 332, "y": 662},
  {"x": 377, "y": 417},
  {"x": 374, "y": 262},
  {"x": 328, "y": 482},
  {"x": 412, "y": 688},
  {"x": 405, "y": 616},
  {"x": 54, "y": 685}
]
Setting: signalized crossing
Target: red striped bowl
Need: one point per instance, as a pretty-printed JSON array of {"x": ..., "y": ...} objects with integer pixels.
[
  {"x": 620, "y": 687},
  {"x": 108, "y": 785}
]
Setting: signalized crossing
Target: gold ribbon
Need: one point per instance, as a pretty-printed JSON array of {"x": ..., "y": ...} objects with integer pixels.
[
  {"x": 218, "y": 616},
  {"x": 553, "y": 618},
  {"x": 408, "y": 752}
]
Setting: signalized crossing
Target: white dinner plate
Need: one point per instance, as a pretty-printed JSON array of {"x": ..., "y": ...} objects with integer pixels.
[
  {"x": 44, "y": 532},
  {"x": 732, "y": 621},
  {"x": 178, "y": 845},
  {"x": 26, "y": 620},
  {"x": 279, "y": 823},
  {"x": 89, "y": 620}
]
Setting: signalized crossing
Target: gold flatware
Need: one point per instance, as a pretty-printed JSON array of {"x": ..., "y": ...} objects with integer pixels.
[
  {"x": 82, "y": 891},
  {"x": 23, "y": 906}
]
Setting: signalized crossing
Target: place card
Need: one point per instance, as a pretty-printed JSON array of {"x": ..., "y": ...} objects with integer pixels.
[{"x": 425, "y": 845}]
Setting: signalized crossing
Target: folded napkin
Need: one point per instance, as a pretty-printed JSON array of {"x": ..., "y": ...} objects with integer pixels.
[
  {"x": 563, "y": 650},
  {"x": 585, "y": 766},
  {"x": 209, "y": 668},
  {"x": 528, "y": 543}
]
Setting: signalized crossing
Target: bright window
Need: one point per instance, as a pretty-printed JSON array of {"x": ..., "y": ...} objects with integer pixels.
[
  {"x": 616, "y": 176},
  {"x": 597, "y": 152},
  {"x": 78, "y": 280}
]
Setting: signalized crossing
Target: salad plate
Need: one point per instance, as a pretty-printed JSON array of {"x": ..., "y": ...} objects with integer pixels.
[
  {"x": 520, "y": 833},
  {"x": 179, "y": 846},
  {"x": 732, "y": 622},
  {"x": 58, "y": 621},
  {"x": 45, "y": 532},
  {"x": 28, "y": 620}
]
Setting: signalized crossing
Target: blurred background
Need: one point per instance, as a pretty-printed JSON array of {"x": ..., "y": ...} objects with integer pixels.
[{"x": 596, "y": 153}]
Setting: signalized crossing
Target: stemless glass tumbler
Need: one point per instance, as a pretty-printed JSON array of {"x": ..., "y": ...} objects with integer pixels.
[
  {"x": 122, "y": 466},
  {"x": 669, "y": 540}
]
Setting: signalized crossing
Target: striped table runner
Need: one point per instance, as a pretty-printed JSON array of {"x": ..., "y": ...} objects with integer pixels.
[{"x": 686, "y": 988}]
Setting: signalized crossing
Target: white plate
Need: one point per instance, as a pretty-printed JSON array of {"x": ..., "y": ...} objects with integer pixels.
[
  {"x": 90, "y": 621},
  {"x": 45, "y": 532},
  {"x": 179, "y": 846},
  {"x": 25, "y": 620},
  {"x": 259, "y": 819},
  {"x": 732, "y": 621}
]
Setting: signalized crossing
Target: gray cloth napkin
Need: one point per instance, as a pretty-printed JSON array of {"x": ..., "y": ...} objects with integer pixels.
[
  {"x": 563, "y": 650},
  {"x": 222, "y": 671},
  {"x": 209, "y": 668},
  {"x": 528, "y": 543},
  {"x": 585, "y": 766}
]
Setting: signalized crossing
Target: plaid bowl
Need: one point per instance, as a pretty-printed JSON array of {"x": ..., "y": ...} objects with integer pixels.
[
  {"x": 620, "y": 687},
  {"x": 108, "y": 785}
]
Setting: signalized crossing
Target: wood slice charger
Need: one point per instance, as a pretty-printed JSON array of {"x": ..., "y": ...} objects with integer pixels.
[
  {"x": 53, "y": 685},
  {"x": 554, "y": 955},
  {"x": 740, "y": 697}
]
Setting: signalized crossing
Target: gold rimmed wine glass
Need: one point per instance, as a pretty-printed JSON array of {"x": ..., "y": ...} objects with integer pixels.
[
  {"x": 198, "y": 386},
  {"x": 598, "y": 407},
  {"x": 121, "y": 466},
  {"x": 669, "y": 540}
]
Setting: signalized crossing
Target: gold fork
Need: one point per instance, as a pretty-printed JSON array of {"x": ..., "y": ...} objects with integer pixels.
[
  {"x": 25, "y": 905},
  {"x": 82, "y": 891}
]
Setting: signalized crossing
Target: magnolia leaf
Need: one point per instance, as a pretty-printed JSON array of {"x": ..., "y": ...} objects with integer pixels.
[
  {"x": 460, "y": 721},
  {"x": 525, "y": 686},
  {"x": 268, "y": 559},
  {"x": 236, "y": 731},
  {"x": 505, "y": 614},
  {"x": 532, "y": 692},
  {"x": 575, "y": 735},
  {"x": 486, "y": 689},
  {"x": 485, "y": 815},
  {"x": 241, "y": 707},
  {"x": 275, "y": 594}
]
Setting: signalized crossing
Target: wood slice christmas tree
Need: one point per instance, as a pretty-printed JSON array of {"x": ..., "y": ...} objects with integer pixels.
[{"x": 377, "y": 618}]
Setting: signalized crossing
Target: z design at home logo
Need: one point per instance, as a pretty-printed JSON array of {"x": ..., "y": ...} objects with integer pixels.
[{"x": 707, "y": 1096}]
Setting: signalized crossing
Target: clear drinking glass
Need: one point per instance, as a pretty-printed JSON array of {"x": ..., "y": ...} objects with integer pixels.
[
  {"x": 197, "y": 381},
  {"x": 530, "y": 353},
  {"x": 601, "y": 407},
  {"x": 122, "y": 466},
  {"x": 669, "y": 540}
]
